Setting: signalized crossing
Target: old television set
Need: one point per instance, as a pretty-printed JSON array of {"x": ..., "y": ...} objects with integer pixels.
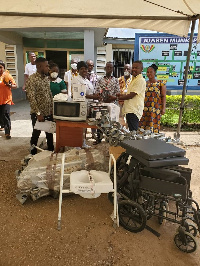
[{"x": 70, "y": 111}]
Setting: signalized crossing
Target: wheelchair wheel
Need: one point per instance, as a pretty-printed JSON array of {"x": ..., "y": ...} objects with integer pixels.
[
  {"x": 162, "y": 212},
  {"x": 190, "y": 228},
  {"x": 131, "y": 216},
  {"x": 120, "y": 164},
  {"x": 186, "y": 242},
  {"x": 147, "y": 203}
]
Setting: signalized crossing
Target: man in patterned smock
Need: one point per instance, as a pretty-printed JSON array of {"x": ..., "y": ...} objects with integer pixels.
[
  {"x": 41, "y": 101},
  {"x": 107, "y": 88}
]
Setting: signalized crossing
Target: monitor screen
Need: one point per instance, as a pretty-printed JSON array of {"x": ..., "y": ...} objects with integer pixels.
[{"x": 66, "y": 109}]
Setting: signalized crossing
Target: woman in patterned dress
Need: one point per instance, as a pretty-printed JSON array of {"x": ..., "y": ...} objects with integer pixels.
[{"x": 155, "y": 101}]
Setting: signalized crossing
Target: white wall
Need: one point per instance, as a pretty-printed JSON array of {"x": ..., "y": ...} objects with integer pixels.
[
  {"x": 2, "y": 51},
  {"x": 88, "y": 45},
  {"x": 109, "y": 53}
]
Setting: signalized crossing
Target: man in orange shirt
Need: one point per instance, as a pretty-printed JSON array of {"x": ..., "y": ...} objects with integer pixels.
[{"x": 7, "y": 83}]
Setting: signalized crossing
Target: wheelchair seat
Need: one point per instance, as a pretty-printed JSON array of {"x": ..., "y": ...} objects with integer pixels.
[{"x": 164, "y": 174}]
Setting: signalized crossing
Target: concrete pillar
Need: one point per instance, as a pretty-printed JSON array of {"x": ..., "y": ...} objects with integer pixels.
[
  {"x": 18, "y": 94},
  {"x": 20, "y": 64},
  {"x": 88, "y": 45}
]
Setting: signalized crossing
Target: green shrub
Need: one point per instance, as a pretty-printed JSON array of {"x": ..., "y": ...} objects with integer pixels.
[{"x": 191, "y": 113}]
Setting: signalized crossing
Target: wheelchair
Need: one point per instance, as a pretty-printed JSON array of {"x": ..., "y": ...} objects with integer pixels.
[{"x": 145, "y": 191}]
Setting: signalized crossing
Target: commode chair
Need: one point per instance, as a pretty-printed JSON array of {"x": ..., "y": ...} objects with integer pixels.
[{"x": 90, "y": 184}]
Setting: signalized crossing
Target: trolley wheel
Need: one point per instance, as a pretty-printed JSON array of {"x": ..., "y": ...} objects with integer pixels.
[
  {"x": 162, "y": 212},
  {"x": 131, "y": 216},
  {"x": 113, "y": 141},
  {"x": 97, "y": 136},
  {"x": 186, "y": 242},
  {"x": 190, "y": 228}
]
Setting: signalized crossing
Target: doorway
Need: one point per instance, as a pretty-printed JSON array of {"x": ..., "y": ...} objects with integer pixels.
[
  {"x": 120, "y": 58},
  {"x": 60, "y": 58}
]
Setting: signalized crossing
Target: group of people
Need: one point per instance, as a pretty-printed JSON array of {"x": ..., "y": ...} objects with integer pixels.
[{"x": 143, "y": 102}]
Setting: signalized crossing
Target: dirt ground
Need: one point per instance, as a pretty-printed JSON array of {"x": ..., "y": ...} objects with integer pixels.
[{"x": 29, "y": 234}]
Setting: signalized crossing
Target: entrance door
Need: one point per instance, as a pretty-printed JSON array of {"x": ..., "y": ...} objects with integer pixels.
[
  {"x": 120, "y": 58},
  {"x": 60, "y": 58}
]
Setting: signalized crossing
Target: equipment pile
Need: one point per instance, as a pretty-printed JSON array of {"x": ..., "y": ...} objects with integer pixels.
[{"x": 40, "y": 174}]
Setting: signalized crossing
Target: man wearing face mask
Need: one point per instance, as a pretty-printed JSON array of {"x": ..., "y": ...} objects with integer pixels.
[
  {"x": 70, "y": 74},
  {"x": 91, "y": 75},
  {"x": 124, "y": 81},
  {"x": 57, "y": 85}
]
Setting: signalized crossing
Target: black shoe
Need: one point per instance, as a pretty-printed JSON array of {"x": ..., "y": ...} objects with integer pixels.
[
  {"x": 33, "y": 151},
  {"x": 8, "y": 136}
]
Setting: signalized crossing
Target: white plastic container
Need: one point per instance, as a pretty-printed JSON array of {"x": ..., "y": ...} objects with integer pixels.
[{"x": 90, "y": 184}]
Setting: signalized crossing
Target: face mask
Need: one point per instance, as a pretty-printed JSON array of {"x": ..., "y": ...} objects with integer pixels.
[
  {"x": 74, "y": 66},
  {"x": 126, "y": 73},
  {"x": 54, "y": 75}
]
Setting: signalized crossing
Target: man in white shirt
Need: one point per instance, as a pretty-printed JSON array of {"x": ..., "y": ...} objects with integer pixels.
[
  {"x": 70, "y": 74},
  {"x": 30, "y": 68},
  {"x": 134, "y": 98}
]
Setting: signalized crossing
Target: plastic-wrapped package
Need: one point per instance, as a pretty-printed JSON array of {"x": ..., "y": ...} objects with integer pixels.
[{"x": 40, "y": 174}]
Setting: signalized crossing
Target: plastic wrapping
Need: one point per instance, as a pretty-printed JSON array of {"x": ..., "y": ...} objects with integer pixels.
[{"x": 40, "y": 174}]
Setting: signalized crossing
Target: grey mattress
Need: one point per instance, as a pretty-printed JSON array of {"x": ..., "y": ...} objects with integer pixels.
[
  {"x": 155, "y": 153},
  {"x": 151, "y": 149}
]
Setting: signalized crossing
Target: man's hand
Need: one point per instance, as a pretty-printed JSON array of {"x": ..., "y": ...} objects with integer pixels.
[
  {"x": 111, "y": 98},
  {"x": 96, "y": 97},
  {"x": 23, "y": 88},
  {"x": 40, "y": 118},
  {"x": 9, "y": 83}
]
